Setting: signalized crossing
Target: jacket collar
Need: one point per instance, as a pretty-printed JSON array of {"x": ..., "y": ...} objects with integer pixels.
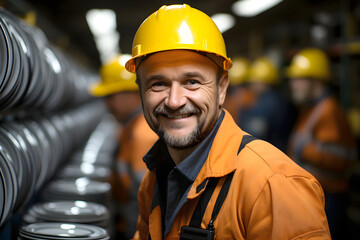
[
  {"x": 222, "y": 158},
  {"x": 191, "y": 165}
]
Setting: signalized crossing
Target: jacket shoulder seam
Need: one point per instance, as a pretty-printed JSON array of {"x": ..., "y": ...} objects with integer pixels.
[
  {"x": 257, "y": 154},
  {"x": 276, "y": 172}
]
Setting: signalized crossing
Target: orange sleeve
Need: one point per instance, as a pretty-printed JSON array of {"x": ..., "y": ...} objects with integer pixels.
[
  {"x": 136, "y": 139},
  {"x": 144, "y": 203},
  {"x": 321, "y": 158},
  {"x": 289, "y": 208},
  {"x": 143, "y": 138},
  {"x": 332, "y": 132}
]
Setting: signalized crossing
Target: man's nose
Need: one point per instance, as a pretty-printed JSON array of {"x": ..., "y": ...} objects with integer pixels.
[{"x": 176, "y": 97}]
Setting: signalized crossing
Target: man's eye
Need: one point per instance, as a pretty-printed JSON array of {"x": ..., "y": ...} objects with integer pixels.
[
  {"x": 158, "y": 84},
  {"x": 192, "y": 82}
]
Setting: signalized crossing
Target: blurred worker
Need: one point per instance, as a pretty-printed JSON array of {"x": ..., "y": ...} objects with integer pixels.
[
  {"x": 207, "y": 178},
  {"x": 268, "y": 117},
  {"x": 238, "y": 96},
  {"x": 136, "y": 138},
  {"x": 322, "y": 141}
]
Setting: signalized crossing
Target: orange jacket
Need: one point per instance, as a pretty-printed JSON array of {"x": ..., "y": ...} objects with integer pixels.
[
  {"x": 324, "y": 145},
  {"x": 135, "y": 140},
  {"x": 270, "y": 197}
]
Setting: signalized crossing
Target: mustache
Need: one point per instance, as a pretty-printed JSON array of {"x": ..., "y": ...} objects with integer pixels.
[{"x": 187, "y": 109}]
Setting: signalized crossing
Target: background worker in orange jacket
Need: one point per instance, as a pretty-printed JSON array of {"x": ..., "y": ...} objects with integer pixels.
[
  {"x": 135, "y": 139},
  {"x": 238, "y": 97},
  {"x": 322, "y": 141},
  {"x": 204, "y": 179},
  {"x": 269, "y": 116}
]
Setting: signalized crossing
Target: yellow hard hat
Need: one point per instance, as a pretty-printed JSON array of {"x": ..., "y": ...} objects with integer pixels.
[
  {"x": 179, "y": 27},
  {"x": 263, "y": 70},
  {"x": 239, "y": 71},
  {"x": 310, "y": 63},
  {"x": 114, "y": 78}
]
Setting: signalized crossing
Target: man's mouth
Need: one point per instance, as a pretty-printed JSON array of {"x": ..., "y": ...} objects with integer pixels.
[
  {"x": 181, "y": 113},
  {"x": 177, "y": 116}
]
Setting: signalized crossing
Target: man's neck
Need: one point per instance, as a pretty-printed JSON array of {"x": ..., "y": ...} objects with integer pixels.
[
  {"x": 179, "y": 155},
  {"x": 318, "y": 89}
]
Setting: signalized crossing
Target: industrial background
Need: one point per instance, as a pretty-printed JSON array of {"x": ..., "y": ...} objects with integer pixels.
[{"x": 278, "y": 33}]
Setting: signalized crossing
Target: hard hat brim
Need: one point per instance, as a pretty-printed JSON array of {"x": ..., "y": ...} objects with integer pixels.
[{"x": 131, "y": 67}]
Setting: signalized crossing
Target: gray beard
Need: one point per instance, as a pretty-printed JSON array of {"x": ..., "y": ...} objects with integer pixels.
[{"x": 181, "y": 143}]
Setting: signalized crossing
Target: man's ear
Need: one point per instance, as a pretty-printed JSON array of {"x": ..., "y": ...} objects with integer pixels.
[{"x": 223, "y": 85}]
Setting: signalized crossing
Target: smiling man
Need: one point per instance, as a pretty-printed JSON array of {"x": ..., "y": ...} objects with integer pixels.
[
  {"x": 182, "y": 91},
  {"x": 207, "y": 177}
]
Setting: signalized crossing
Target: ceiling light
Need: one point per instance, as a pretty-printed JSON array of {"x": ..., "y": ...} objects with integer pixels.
[
  {"x": 108, "y": 46},
  {"x": 223, "y": 21},
  {"x": 101, "y": 21},
  {"x": 102, "y": 24},
  {"x": 108, "y": 42},
  {"x": 250, "y": 8}
]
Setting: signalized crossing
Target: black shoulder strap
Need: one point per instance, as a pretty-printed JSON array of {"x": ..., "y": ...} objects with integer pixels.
[
  {"x": 206, "y": 195},
  {"x": 220, "y": 199},
  {"x": 203, "y": 202},
  {"x": 246, "y": 139}
]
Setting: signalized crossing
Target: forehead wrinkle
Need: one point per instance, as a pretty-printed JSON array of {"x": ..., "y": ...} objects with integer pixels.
[
  {"x": 156, "y": 77},
  {"x": 162, "y": 74},
  {"x": 193, "y": 74},
  {"x": 184, "y": 75}
]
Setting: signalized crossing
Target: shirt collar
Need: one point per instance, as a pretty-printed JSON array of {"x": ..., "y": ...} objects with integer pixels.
[{"x": 156, "y": 155}]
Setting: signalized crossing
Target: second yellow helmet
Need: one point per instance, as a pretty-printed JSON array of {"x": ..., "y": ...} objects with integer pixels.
[
  {"x": 114, "y": 78},
  {"x": 239, "y": 72},
  {"x": 263, "y": 70}
]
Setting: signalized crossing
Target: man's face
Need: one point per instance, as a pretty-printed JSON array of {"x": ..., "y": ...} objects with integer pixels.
[
  {"x": 122, "y": 104},
  {"x": 301, "y": 90},
  {"x": 181, "y": 97}
]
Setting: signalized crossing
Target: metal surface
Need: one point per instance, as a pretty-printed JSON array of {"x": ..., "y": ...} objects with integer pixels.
[
  {"x": 62, "y": 231},
  {"x": 33, "y": 148},
  {"x": 35, "y": 73}
]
